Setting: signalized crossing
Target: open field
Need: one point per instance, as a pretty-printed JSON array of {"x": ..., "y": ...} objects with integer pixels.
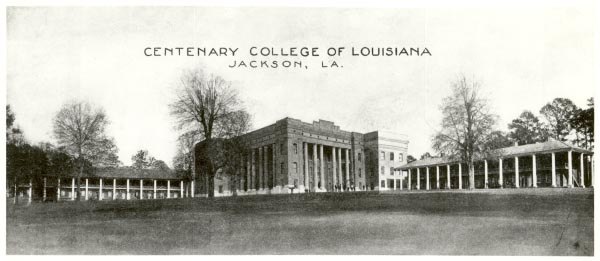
[{"x": 493, "y": 222}]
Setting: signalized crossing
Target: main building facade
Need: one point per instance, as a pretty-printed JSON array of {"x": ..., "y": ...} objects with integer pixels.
[{"x": 291, "y": 156}]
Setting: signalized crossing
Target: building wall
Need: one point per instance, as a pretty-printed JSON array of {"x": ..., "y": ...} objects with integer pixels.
[
  {"x": 381, "y": 167},
  {"x": 290, "y": 145}
]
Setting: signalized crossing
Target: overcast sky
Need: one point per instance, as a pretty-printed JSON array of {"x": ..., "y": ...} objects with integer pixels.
[{"x": 523, "y": 57}]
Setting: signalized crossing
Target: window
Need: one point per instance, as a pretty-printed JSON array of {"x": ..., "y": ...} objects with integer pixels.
[
  {"x": 391, "y": 156},
  {"x": 359, "y": 172},
  {"x": 295, "y": 167},
  {"x": 281, "y": 148},
  {"x": 283, "y": 167},
  {"x": 391, "y": 171},
  {"x": 220, "y": 189},
  {"x": 382, "y": 155},
  {"x": 359, "y": 156},
  {"x": 382, "y": 170},
  {"x": 400, "y": 157},
  {"x": 383, "y": 183},
  {"x": 295, "y": 148}
]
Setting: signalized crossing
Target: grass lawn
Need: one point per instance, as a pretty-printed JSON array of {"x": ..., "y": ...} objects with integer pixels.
[{"x": 492, "y": 222}]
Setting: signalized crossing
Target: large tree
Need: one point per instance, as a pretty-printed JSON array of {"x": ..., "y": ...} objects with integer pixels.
[
  {"x": 558, "y": 113},
  {"x": 210, "y": 106},
  {"x": 583, "y": 124},
  {"x": 466, "y": 124},
  {"x": 527, "y": 129},
  {"x": 142, "y": 160},
  {"x": 80, "y": 128}
]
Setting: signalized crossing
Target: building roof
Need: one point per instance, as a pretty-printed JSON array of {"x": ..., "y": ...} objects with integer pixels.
[{"x": 513, "y": 151}]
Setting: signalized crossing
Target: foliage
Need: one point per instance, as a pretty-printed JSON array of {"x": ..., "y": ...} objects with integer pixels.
[
  {"x": 466, "y": 124},
  {"x": 80, "y": 129},
  {"x": 496, "y": 140},
  {"x": 426, "y": 155},
  {"x": 582, "y": 122},
  {"x": 209, "y": 107},
  {"x": 557, "y": 113},
  {"x": 528, "y": 129}
]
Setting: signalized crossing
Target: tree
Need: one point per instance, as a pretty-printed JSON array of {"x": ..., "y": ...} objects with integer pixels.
[
  {"x": 426, "y": 155},
  {"x": 496, "y": 140},
  {"x": 558, "y": 113},
  {"x": 410, "y": 159},
  {"x": 160, "y": 165},
  {"x": 80, "y": 129},
  {"x": 210, "y": 106},
  {"x": 14, "y": 135},
  {"x": 140, "y": 160},
  {"x": 466, "y": 124},
  {"x": 527, "y": 129},
  {"x": 583, "y": 124}
]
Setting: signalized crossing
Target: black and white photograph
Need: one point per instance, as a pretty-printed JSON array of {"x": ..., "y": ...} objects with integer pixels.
[{"x": 435, "y": 129}]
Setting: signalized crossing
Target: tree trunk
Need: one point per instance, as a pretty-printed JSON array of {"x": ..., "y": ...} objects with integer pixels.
[
  {"x": 471, "y": 175},
  {"x": 210, "y": 180},
  {"x": 79, "y": 179}
]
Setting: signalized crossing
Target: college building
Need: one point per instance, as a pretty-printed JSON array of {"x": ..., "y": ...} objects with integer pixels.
[
  {"x": 122, "y": 183},
  {"x": 291, "y": 156},
  {"x": 548, "y": 164}
]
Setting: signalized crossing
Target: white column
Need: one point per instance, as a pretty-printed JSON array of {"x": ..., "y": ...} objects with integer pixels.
[
  {"x": 248, "y": 176},
  {"x": 253, "y": 171},
  {"x": 72, "y": 188},
  {"x": 570, "y": 170},
  {"x": 315, "y": 166},
  {"x": 141, "y": 189},
  {"x": 394, "y": 184},
  {"x": 168, "y": 189},
  {"x": 437, "y": 177},
  {"x": 44, "y": 191},
  {"x": 418, "y": 178},
  {"x": 265, "y": 167},
  {"x": 534, "y": 170},
  {"x": 500, "y": 178},
  {"x": 516, "y": 172},
  {"x": 86, "y": 189},
  {"x": 127, "y": 191},
  {"x": 181, "y": 189},
  {"x": 100, "y": 190},
  {"x": 30, "y": 190},
  {"x": 347, "y": 168},
  {"x": 459, "y": 175},
  {"x": 114, "y": 195},
  {"x": 306, "y": 177},
  {"x": 427, "y": 178},
  {"x": 334, "y": 166},
  {"x": 592, "y": 171},
  {"x": 339, "y": 162},
  {"x": 485, "y": 174},
  {"x": 322, "y": 161},
  {"x": 581, "y": 170},
  {"x": 553, "y": 170},
  {"x": 409, "y": 181},
  {"x": 58, "y": 190},
  {"x": 193, "y": 182},
  {"x": 448, "y": 176},
  {"x": 401, "y": 178},
  {"x": 154, "y": 190},
  {"x": 260, "y": 168}
]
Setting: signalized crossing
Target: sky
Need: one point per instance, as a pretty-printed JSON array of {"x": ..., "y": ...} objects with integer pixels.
[{"x": 523, "y": 57}]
